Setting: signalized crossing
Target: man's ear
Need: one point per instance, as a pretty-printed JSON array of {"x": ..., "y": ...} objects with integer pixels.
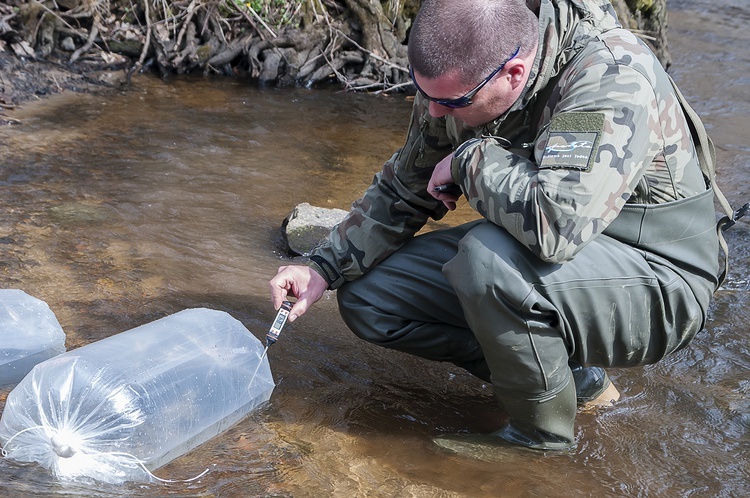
[{"x": 517, "y": 72}]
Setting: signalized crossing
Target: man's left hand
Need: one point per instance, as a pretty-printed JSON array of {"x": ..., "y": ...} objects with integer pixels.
[{"x": 441, "y": 175}]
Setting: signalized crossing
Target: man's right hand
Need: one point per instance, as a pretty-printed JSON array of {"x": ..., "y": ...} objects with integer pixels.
[{"x": 302, "y": 282}]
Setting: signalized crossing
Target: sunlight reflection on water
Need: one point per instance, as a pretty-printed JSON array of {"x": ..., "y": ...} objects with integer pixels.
[{"x": 121, "y": 210}]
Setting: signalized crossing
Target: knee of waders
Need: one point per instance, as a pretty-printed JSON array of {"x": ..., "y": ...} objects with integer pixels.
[
  {"x": 360, "y": 315},
  {"x": 486, "y": 255},
  {"x": 541, "y": 423}
]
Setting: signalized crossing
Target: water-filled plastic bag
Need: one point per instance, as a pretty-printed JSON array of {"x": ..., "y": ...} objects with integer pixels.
[
  {"x": 117, "y": 409},
  {"x": 29, "y": 334}
]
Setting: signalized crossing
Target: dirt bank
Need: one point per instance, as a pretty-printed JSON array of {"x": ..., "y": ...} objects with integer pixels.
[{"x": 22, "y": 80}]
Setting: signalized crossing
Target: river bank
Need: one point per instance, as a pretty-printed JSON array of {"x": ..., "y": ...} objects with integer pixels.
[
  {"x": 24, "y": 80},
  {"x": 95, "y": 45}
]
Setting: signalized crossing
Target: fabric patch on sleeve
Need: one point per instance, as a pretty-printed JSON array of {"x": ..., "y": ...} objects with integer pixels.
[{"x": 573, "y": 141}]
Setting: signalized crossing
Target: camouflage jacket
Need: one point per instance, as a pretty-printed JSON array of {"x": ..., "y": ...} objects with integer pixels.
[{"x": 598, "y": 126}]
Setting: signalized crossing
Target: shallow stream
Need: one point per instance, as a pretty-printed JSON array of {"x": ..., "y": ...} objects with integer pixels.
[{"x": 122, "y": 209}]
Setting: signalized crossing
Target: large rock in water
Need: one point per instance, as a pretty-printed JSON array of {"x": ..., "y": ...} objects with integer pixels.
[{"x": 306, "y": 226}]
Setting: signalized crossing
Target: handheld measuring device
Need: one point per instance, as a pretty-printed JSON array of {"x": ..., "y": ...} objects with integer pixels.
[
  {"x": 273, "y": 333},
  {"x": 278, "y": 323}
]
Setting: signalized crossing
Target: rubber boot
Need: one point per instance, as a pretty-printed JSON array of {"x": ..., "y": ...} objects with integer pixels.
[
  {"x": 594, "y": 390},
  {"x": 590, "y": 382},
  {"x": 542, "y": 424}
]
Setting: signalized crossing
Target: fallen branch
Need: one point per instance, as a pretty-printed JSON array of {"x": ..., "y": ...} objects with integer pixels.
[
  {"x": 89, "y": 43},
  {"x": 399, "y": 86},
  {"x": 187, "y": 22},
  {"x": 255, "y": 15},
  {"x": 138, "y": 65},
  {"x": 8, "y": 120},
  {"x": 47, "y": 9},
  {"x": 372, "y": 54}
]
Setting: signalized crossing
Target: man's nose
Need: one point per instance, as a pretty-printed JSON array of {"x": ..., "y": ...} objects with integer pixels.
[{"x": 437, "y": 110}]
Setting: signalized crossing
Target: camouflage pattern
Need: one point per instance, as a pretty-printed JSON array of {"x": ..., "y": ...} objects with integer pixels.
[{"x": 596, "y": 93}]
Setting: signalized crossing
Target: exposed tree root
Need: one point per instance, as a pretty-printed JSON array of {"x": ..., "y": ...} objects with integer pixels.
[
  {"x": 359, "y": 43},
  {"x": 303, "y": 42}
]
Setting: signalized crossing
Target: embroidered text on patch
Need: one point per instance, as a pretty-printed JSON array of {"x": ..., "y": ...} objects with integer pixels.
[
  {"x": 573, "y": 141},
  {"x": 569, "y": 150}
]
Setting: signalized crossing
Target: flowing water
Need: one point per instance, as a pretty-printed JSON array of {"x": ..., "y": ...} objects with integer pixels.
[{"x": 121, "y": 210}]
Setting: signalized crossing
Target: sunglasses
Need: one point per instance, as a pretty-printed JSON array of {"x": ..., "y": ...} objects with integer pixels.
[{"x": 465, "y": 100}]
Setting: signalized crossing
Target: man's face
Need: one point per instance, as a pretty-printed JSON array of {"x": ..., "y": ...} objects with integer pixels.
[{"x": 491, "y": 101}]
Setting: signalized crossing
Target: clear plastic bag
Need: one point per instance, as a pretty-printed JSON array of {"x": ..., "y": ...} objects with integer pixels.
[
  {"x": 29, "y": 334},
  {"x": 119, "y": 408}
]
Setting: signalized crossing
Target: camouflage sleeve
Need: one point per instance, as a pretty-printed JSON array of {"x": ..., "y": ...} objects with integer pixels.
[
  {"x": 602, "y": 131},
  {"x": 394, "y": 207}
]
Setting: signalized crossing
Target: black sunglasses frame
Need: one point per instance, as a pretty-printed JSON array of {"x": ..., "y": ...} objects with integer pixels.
[{"x": 464, "y": 100}]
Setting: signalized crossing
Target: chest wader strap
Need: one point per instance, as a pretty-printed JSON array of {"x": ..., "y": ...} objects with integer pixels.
[{"x": 704, "y": 147}]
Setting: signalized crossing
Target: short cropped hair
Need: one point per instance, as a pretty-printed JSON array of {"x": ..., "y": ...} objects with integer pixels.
[{"x": 471, "y": 36}]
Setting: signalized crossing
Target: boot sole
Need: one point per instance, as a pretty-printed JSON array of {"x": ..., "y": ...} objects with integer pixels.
[{"x": 608, "y": 397}]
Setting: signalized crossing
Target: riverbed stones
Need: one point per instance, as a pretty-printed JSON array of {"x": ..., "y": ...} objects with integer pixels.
[{"x": 306, "y": 226}]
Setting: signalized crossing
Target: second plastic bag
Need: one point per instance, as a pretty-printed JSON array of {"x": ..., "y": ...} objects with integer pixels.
[
  {"x": 29, "y": 334},
  {"x": 112, "y": 409}
]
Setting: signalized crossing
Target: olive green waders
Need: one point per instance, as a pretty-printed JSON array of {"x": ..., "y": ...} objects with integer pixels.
[{"x": 474, "y": 296}]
